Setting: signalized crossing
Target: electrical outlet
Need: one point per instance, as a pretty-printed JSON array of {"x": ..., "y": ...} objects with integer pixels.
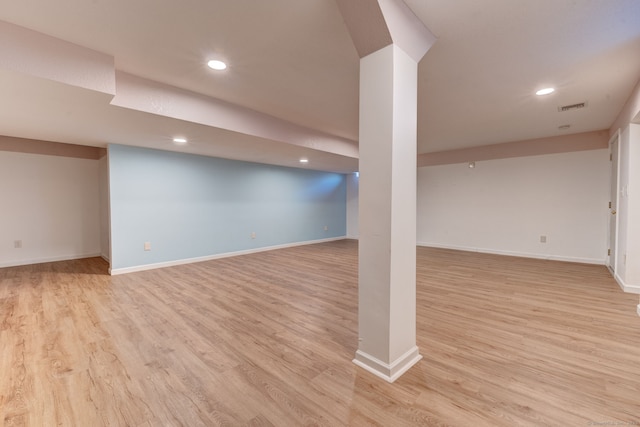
[
  {"x": 326, "y": 228},
  {"x": 253, "y": 235},
  {"x": 17, "y": 244},
  {"x": 543, "y": 239},
  {"x": 147, "y": 246}
]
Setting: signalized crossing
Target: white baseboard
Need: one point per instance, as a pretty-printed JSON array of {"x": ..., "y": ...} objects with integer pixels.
[
  {"x": 57, "y": 258},
  {"x": 632, "y": 289},
  {"x": 116, "y": 271},
  {"x": 105, "y": 257},
  {"x": 516, "y": 254},
  {"x": 388, "y": 371}
]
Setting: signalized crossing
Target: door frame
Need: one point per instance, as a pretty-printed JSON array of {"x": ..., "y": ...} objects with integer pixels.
[{"x": 614, "y": 197}]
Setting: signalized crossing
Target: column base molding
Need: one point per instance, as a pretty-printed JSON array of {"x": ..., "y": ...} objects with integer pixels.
[{"x": 388, "y": 371}]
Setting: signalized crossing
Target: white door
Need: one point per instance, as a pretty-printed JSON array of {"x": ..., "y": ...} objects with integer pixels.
[{"x": 613, "y": 204}]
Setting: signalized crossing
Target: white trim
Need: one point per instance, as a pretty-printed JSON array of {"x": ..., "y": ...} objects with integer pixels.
[
  {"x": 632, "y": 289},
  {"x": 18, "y": 263},
  {"x": 614, "y": 138},
  {"x": 388, "y": 371},
  {"x": 116, "y": 271},
  {"x": 516, "y": 254},
  {"x": 638, "y": 310}
]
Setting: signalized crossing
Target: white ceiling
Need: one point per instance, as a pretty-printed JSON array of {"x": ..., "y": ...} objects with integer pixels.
[{"x": 294, "y": 60}]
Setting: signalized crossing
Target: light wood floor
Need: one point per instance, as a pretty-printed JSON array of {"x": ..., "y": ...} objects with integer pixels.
[{"x": 267, "y": 340}]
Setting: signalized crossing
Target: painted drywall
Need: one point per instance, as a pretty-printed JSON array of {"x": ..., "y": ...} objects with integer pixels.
[
  {"x": 103, "y": 182},
  {"x": 628, "y": 253},
  {"x": 352, "y": 205},
  {"x": 594, "y": 140},
  {"x": 633, "y": 222},
  {"x": 50, "y": 204},
  {"x": 189, "y": 207},
  {"x": 623, "y": 207},
  {"x": 506, "y": 205},
  {"x": 387, "y": 256},
  {"x": 630, "y": 112}
]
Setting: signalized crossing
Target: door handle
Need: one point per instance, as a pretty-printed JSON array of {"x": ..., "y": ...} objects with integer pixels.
[{"x": 613, "y": 212}]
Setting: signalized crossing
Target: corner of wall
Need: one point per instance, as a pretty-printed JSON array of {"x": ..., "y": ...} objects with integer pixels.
[{"x": 629, "y": 113}]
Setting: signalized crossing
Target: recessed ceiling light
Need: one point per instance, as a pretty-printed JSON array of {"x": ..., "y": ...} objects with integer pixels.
[
  {"x": 180, "y": 141},
  {"x": 217, "y": 65},
  {"x": 545, "y": 91},
  {"x": 303, "y": 160}
]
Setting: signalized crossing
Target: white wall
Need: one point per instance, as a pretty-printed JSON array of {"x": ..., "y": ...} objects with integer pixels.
[
  {"x": 49, "y": 203},
  {"x": 505, "y": 205},
  {"x": 628, "y": 254},
  {"x": 633, "y": 193},
  {"x": 623, "y": 206}
]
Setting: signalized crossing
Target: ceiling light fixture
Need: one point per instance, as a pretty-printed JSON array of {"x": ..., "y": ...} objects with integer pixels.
[
  {"x": 472, "y": 165},
  {"x": 217, "y": 65},
  {"x": 545, "y": 91},
  {"x": 303, "y": 160},
  {"x": 180, "y": 141}
]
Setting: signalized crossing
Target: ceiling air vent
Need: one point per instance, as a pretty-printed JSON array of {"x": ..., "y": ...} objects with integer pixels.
[{"x": 572, "y": 106}]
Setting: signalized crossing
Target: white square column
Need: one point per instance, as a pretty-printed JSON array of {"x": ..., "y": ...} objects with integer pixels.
[{"x": 387, "y": 213}]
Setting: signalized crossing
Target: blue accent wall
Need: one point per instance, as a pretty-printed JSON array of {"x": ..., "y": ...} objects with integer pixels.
[{"x": 190, "y": 206}]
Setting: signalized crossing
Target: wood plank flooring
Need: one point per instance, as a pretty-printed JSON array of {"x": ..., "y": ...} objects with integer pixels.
[{"x": 267, "y": 340}]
